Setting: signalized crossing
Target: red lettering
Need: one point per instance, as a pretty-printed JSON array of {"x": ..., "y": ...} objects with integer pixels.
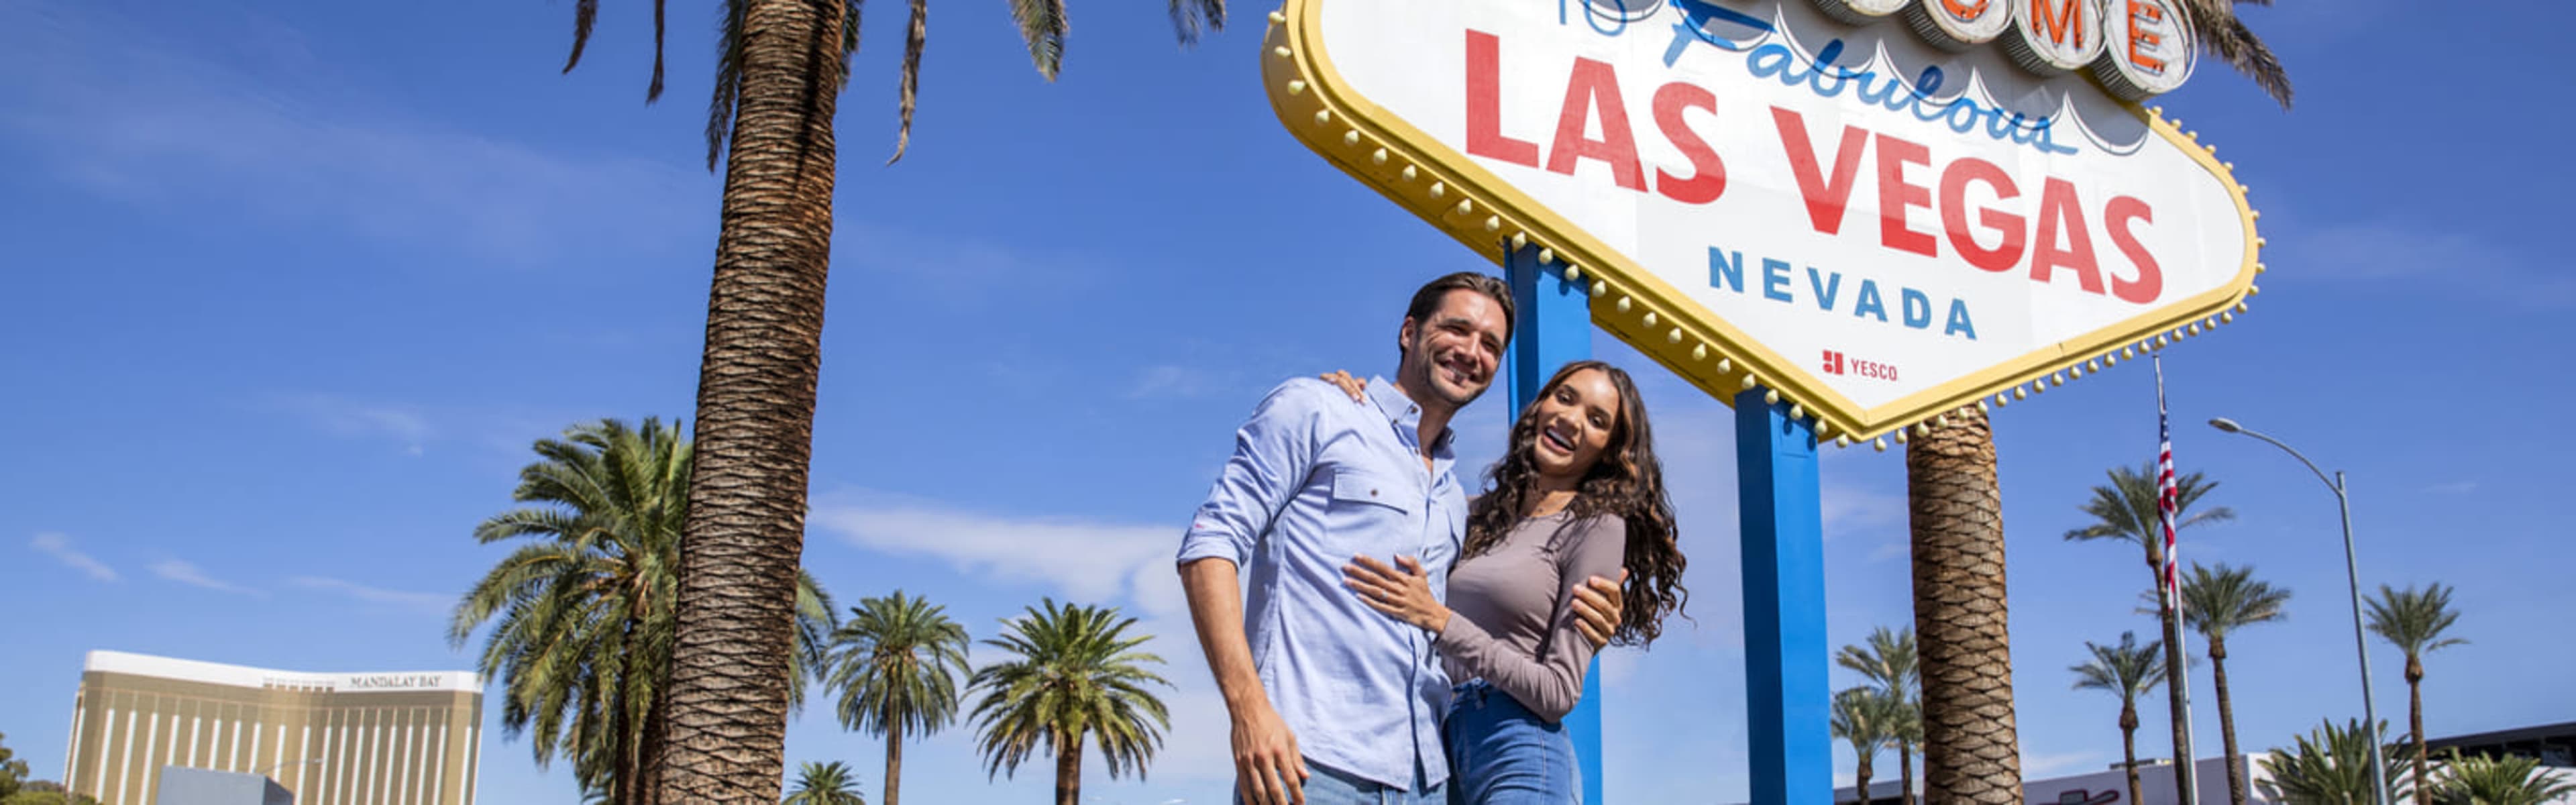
[
  {"x": 1895, "y": 197},
  {"x": 1965, "y": 10},
  {"x": 2151, "y": 277},
  {"x": 2058, "y": 21},
  {"x": 1825, "y": 199},
  {"x": 2138, "y": 13},
  {"x": 1708, "y": 179},
  {"x": 1954, "y": 214},
  {"x": 1596, "y": 84},
  {"x": 2058, "y": 206},
  {"x": 1485, "y": 104}
]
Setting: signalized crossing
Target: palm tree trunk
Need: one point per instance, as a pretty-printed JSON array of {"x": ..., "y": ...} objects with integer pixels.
[
  {"x": 1971, "y": 753},
  {"x": 2173, "y": 659},
  {"x": 1860, "y": 782},
  {"x": 2129, "y": 751},
  {"x": 649, "y": 756},
  {"x": 2226, "y": 719},
  {"x": 2415, "y": 724},
  {"x": 1068, "y": 772},
  {"x": 745, "y": 528},
  {"x": 894, "y": 761},
  {"x": 1905, "y": 772}
]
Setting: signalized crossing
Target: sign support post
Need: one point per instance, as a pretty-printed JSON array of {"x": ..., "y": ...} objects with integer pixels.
[
  {"x": 1788, "y": 703},
  {"x": 1554, "y": 327}
]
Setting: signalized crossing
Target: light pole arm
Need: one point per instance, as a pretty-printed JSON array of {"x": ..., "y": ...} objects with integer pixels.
[{"x": 2294, "y": 453}]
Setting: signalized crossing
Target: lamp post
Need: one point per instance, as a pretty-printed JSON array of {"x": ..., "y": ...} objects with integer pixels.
[{"x": 2352, "y": 574}]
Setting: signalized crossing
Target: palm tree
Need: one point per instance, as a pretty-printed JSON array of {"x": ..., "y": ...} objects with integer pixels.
[
  {"x": 1871, "y": 720},
  {"x": 1889, "y": 664},
  {"x": 582, "y": 615},
  {"x": 825, "y": 784},
  {"x": 2127, "y": 670},
  {"x": 1971, "y": 752},
  {"x": 1078, "y": 676},
  {"x": 2510, "y": 780},
  {"x": 2126, "y": 510},
  {"x": 2215, "y": 23},
  {"x": 2330, "y": 766},
  {"x": 779, "y": 68},
  {"x": 896, "y": 662},
  {"x": 2216, "y": 603},
  {"x": 2415, "y": 622}
]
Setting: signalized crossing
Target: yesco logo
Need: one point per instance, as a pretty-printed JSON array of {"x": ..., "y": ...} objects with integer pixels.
[{"x": 1836, "y": 363}]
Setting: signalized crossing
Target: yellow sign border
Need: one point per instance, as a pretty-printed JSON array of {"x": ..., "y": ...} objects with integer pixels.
[{"x": 1487, "y": 214}]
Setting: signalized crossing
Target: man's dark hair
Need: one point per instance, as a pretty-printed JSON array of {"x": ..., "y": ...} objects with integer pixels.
[{"x": 1427, "y": 300}]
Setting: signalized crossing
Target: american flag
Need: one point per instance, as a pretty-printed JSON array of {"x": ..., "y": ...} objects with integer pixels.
[{"x": 2168, "y": 497}]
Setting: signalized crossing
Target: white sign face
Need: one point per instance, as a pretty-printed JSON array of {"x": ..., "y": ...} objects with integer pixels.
[{"x": 1881, "y": 229}]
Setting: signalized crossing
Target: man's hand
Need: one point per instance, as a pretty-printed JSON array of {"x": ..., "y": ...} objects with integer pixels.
[
  {"x": 1598, "y": 605},
  {"x": 1267, "y": 768}
]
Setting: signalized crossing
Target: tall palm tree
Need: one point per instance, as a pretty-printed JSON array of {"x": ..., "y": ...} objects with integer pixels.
[
  {"x": 896, "y": 662},
  {"x": 2126, "y": 510},
  {"x": 2415, "y": 621},
  {"x": 1078, "y": 677},
  {"x": 1888, "y": 662},
  {"x": 2488, "y": 780},
  {"x": 780, "y": 66},
  {"x": 1870, "y": 720},
  {"x": 1971, "y": 752},
  {"x": 2331, "y": 766},
  {"x": 2215, "y": 22},
  {"x": 582, "y": 614},
  {"x": 825, "y": 784},
  {"x": 2215, "y": 604},
  {"x": 2127, "y": 670}
]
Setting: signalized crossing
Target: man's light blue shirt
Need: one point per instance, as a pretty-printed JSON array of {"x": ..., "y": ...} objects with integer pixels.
[{"x": 1315, "y": 480}]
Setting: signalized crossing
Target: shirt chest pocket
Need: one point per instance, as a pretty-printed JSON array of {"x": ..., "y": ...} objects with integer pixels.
[{"x": 1372, "y": 513}]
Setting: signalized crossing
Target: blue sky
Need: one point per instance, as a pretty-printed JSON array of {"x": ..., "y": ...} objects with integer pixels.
[{"x": 296, "y": 283}]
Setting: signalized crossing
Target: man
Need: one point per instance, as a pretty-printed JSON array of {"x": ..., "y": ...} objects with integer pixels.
[{"x": 1330, "y": 701}]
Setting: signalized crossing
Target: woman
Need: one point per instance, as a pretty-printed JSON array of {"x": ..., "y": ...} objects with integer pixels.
[{"x": 1578, "y": 493}]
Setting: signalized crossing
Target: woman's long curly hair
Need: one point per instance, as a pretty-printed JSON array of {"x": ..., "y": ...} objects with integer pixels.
[{"x": 1626, "y": 480}]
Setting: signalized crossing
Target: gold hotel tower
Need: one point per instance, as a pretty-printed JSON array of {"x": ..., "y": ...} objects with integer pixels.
[{"x": 402, "y": 738}]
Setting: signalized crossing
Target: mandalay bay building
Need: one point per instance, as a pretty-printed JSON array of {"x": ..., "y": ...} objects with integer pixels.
[{"x": 407, "y": 738}]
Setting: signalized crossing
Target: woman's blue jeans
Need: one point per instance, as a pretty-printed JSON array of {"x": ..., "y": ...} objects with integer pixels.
[{"x": 1500, "y": 753}]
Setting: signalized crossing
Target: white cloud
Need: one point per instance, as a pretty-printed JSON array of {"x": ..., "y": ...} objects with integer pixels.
[
  {"x": 263, "y": 129},
  {"x": 1084, "y": 560},
  {"x": 2465, "y": 262},
  {"x": 1175, "y": 381},
  {"x": 2040, "y": 766},
  {"x": 60, "y": 548},
  {"x": 343, "y": 417},
  {"x": 187, "y": 573},
  {"x": 420, "y": 602}
]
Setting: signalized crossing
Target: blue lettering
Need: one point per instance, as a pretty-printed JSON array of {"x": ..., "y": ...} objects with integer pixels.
[
  {"x": 1918, "y": 309},
  {"x": 1959, "y": 323},
  {"x": 1775, "y": 280},
  {"x": 1825, "y": 291},
  {"x": 1870, "y": 304},
  {"x": 1821, "y": 76},
  {"x": 1725, "y": 269}
]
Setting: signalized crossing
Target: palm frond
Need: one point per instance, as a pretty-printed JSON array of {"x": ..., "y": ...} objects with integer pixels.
[
  {"x": 1042, "y": 24},
  {"x": 914, "y": 40},
  {"x": 1191, "y": 17}
]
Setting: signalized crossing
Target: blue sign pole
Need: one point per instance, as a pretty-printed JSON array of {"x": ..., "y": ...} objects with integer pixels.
[
  {"x": 1787, "y": 700},
  {"x": 1554, "y": 326}
]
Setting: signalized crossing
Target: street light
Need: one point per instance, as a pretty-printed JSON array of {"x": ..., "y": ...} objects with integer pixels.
[{"x": 2352, "y": 573}]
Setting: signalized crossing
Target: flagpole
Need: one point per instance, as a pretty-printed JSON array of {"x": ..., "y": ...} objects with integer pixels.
[{"x": 2169, "y": 592}]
